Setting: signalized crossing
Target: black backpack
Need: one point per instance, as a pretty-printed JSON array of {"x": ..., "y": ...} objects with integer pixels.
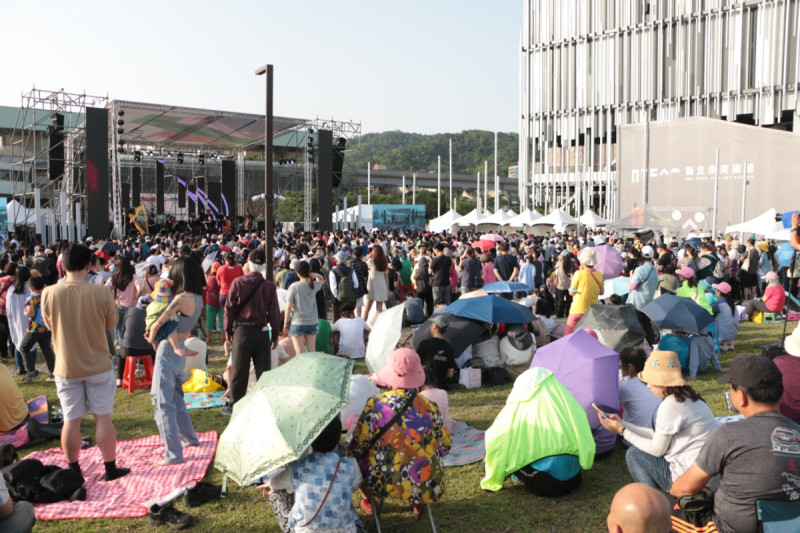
[{"x": 345, "y": 290}]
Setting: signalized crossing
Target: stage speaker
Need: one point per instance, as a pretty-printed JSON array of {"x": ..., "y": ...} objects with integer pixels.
[
  {"x": 191, "y": 190},
  {"x": 215, "y": 195},
  {"x": 97, "y": 219},
  {"x": 201, "y": 195},
  {"x": 136, "y": 186},
  {"x": 126, "y": 195},
  {"x": 55, "y": 149},
  {"x": 229, "y": 188},
  {"x": 159, "y": 186},
  {"x": 181, "y": 196},
  {"x": 325, "y": 176},
  {"x": 338, "y": 161}
]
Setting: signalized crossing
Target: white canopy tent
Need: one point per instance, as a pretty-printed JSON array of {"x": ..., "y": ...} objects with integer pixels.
[
  {"x": 526, "y": 218},
  {"x": 764, "y": 224},
  {"x": 471, "y": 219},
  {"x": 559, "y": 219},
  {"x": 494, "y": 221},
  {"x": 444, "y": 222},
  {"x": 591, "y": 219}
]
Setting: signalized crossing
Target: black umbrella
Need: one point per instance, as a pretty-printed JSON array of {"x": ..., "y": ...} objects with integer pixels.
[
  {"x": 678, "y": 313},
  {"x": 460, "y": 333},
  {"x": 110, "y": 247},
  {"x": 617, "y": 326}
]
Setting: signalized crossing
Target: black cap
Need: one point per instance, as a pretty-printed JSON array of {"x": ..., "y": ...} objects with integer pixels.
[
  {"x": 258, "y": 257},
  {"x": 752, "y": 372}
]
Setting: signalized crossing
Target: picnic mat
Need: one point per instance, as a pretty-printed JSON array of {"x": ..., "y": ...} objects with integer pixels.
[
  {"x": 203, "y": 400},
  {"x": 123, "y": 497},
  {"x": 19, "y": 437},
  {"x": 467, "y": 445}
]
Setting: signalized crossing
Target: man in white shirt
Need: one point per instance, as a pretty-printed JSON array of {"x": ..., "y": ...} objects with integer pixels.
[
  {"x": 155, "y": 258},
  {"x": 350, "y": 334}
]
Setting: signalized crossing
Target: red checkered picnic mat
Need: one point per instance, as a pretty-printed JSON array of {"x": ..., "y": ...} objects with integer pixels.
[{"x": 123, "y": 497}]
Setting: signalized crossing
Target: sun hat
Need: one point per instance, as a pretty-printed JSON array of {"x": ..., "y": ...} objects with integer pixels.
[
  {"x": 519, "y": 337},
  {"x": 752, "y": 372},
  {"x": 723, "y": 287},
  {"x": 662, "y": 369},
  {"x": 771, "y": 276},
  {"x": 441, "y": 322},
  {"x": 588, "y": 257},
  {"x": 763, "y": 246},
  {"x": 647, "y": 251},
  {"x": 403, "y": 370},
  {"x": 686, "y": 272},
  {"x": 163, "y": 290},
  {"x": 792, "y": 343}
]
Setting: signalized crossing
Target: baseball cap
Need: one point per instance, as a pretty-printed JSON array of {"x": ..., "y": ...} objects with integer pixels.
[
  {"x": 441, "y": 322},
  {"x": 752, "y": 372}
]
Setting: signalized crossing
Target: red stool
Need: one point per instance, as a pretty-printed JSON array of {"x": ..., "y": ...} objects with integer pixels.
[{"x": 129, "y": 378}]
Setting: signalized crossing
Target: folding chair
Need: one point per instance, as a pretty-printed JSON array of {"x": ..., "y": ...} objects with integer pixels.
[
  {"x": 778, "y": 517},
  {"x": 377, "y": 507}
]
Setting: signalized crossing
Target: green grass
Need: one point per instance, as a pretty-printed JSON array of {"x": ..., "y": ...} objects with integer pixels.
[{"x": 465, "y": 507}]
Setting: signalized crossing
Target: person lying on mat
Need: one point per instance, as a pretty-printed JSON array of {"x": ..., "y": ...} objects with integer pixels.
[
  {"x": 755, "y": 458},
  {"x": 13, "y": 409},
  {"x": 302, "y": 495}
]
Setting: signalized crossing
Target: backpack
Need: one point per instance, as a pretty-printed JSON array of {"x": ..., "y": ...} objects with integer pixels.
[
  {"x": 40, "y": 264},
  {"x": 719, "y": 270},
  {"x": 345, "y": 290}
]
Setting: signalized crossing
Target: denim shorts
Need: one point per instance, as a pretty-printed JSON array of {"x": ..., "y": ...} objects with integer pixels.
[{"x": 303, "y": 329}]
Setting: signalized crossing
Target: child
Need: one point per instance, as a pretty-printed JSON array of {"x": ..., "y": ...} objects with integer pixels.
[
  {"x": 37, "y": 332},
  {"x": 437, "y": 396},
  {"x": 317, "y": 488},
  {"x": 162, "y": 297}
]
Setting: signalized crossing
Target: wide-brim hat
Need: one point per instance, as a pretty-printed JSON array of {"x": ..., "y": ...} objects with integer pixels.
[
  {"x": 403, "y": 370},
  {"x": 662, "y": 369},
  {"x": 763, "y": 246},
  {"x": 792, "y": 343},
  {"x": 519, "y": 337},
  {"x": 588, "y": 257}
]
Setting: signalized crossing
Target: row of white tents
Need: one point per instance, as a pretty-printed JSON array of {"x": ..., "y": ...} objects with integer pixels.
[{"x": 529, "y": 221}]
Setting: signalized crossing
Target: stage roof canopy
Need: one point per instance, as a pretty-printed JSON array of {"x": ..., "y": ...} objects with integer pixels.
[{"x": 165, "y": 125}]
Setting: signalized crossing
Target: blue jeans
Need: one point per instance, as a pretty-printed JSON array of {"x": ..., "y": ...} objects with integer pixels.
[
  {"x": 21, "y": 520},
  {"x": 171, "y": 415},
  {"x": 121, "y": 311},
  {"x": 648, "y": 469}
]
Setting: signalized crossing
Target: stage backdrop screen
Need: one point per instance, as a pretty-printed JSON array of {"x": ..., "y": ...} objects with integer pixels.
[{"x": 398, "y": 217}]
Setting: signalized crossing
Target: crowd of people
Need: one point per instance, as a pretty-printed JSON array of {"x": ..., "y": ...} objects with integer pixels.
[{"x": 90, "y": 305}]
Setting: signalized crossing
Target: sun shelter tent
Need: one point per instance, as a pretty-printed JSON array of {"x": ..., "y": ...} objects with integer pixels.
[
  {"x": 644, "y": 219},
  {"x": 444, "y": 222},
  {"x": 495, "y": 221},
  {"x": 524, "y": 220},
  {"x": 763, "y": 224},
  {"x": 590, "y": 370},
  {"x": 592, "y": 219},
  {"x": 559, "y": 219},
  {"x": 471, "y": 219},
  {"x": 510, "y": 213}
]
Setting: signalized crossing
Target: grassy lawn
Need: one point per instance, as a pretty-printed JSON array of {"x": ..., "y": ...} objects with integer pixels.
[{"x": 465, "y": 506}]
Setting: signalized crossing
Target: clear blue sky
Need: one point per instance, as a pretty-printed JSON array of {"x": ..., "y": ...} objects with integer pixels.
[{"x": 425, "y": 66}]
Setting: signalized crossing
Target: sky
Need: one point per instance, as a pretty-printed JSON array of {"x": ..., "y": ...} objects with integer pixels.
[{"x": 426, "y": 66}]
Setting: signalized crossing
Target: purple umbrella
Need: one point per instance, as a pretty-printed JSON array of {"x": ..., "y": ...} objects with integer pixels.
[
  {"x": 609, "y": 262},
  {"x": 589, "y": 370}
]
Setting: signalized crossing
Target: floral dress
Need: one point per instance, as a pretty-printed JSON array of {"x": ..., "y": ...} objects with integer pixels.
[{"x": 406, "y": 461}]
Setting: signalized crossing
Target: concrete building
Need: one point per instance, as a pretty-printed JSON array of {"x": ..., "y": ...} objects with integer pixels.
[{"x": 597, "y": 74}]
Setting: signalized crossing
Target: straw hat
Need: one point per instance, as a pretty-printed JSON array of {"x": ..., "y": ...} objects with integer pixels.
[
  {"x": 662, "y": 369},
  {"x": 763, "y": 246},
  {"x": 792, "y": 343},
  {"x": 403, "y": 370}
]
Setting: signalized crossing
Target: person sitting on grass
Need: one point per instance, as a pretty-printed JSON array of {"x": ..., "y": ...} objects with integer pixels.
[
  {"x": 350, "y": 333},
  {"x": 317, "y": 488},
  {"x": 15, "y": 517},
  {"x": 637, "y": 508}
]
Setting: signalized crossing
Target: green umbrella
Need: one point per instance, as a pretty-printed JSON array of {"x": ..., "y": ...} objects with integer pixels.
[{"x": 282, "y": 415}]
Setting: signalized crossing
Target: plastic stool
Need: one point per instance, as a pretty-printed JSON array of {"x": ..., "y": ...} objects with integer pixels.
[
  {"x": 129, "y": 378},
  {"x": 772, "y": 317}
]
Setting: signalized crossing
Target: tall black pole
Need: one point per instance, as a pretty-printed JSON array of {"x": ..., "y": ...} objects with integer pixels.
[{"x": 268, "y": 198}]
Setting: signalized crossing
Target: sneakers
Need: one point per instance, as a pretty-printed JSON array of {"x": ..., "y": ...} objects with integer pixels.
[
  {"x": 30, "y": 376},
  {"x": 202, "y": 493},
  {"x": 175, "y": 519},
  {"x": 51, "y": 377},
  {"x": 227, "y": 410}
]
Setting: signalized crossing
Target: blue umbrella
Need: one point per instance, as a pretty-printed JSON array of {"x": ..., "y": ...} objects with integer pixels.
[
  {"x": 506, "y": 286},
  {"x": 694, "y": 242},
  {"x": 784, "y": 254},
  {"x": 678, "y": 313},
  {"x": 491, "y": 309}
]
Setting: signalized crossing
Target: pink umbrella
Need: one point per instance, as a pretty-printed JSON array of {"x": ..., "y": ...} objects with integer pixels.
[
  {"x": 609, "y": 261},
  {"x": 485, "y": 245},
  {"x": 494, "y": 237}
]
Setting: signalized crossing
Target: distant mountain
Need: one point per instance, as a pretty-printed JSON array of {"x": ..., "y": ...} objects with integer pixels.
[{"x": 397, "y": 150}]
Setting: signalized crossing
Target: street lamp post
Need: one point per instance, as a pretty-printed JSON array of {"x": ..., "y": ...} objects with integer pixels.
[{"x": 268, "y": 198}]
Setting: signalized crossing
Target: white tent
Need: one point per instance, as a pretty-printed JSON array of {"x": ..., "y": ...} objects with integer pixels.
[
  {"x": 763, "y": 224},
  {"x": 510, "y": 212},
  {"x": 496, "y": 220},
  {"x": 471, "y": 218},
  {"x": 444, "y": 222},
  {"x": 559, "y": 219},
  {"x": 591, "y": 219},
  {"x": 19, "y": 215},
  {"x": 526, "y": 218}
]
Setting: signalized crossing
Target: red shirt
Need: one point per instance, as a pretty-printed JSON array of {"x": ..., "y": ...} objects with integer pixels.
[
  {"x": 211, "y": 293},
  {"x": 225, "y": 276},
  {"x": 774, "y": 298},
  {"x": 5, "y": 283}
]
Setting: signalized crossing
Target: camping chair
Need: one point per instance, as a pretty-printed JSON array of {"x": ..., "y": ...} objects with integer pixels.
[
  {"x": 778, "y": 517},
  {"x": 377, "y": 506}
]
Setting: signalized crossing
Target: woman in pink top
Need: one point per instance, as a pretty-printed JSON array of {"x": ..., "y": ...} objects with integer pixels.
[
  {"x": 126, "y": 290},
  {"x": 488, "y": 269},
  {"x": 774, "y": 298}
]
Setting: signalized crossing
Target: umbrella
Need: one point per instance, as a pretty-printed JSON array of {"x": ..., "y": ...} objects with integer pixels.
[
  {"x": 617, "y": 326},
  {"x": 384, "y": 336},
  {"x": 485, "y": 245},
  {"x": 589, "y": 369},
  {"x": 110, "y": 247},
  {"x": 208, "y": 261},
  {"x": 784, "y": 254},
  {"x": 609, "y": 261},
  {"x": 506, "y": 286},
  {"x": 694, "y": 242},
  {"x": 494, "y": 237},
  {"x": 491, "y": 309},
  {"x": 678, "y": 313},
  {"x": 282, "y": 415},
  {"x": 619, "y": 285},
  {"x": 460, "y": 333}
]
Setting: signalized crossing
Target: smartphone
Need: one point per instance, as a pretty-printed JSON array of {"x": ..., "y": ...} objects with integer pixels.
[{"x": 599, "y": 409}]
